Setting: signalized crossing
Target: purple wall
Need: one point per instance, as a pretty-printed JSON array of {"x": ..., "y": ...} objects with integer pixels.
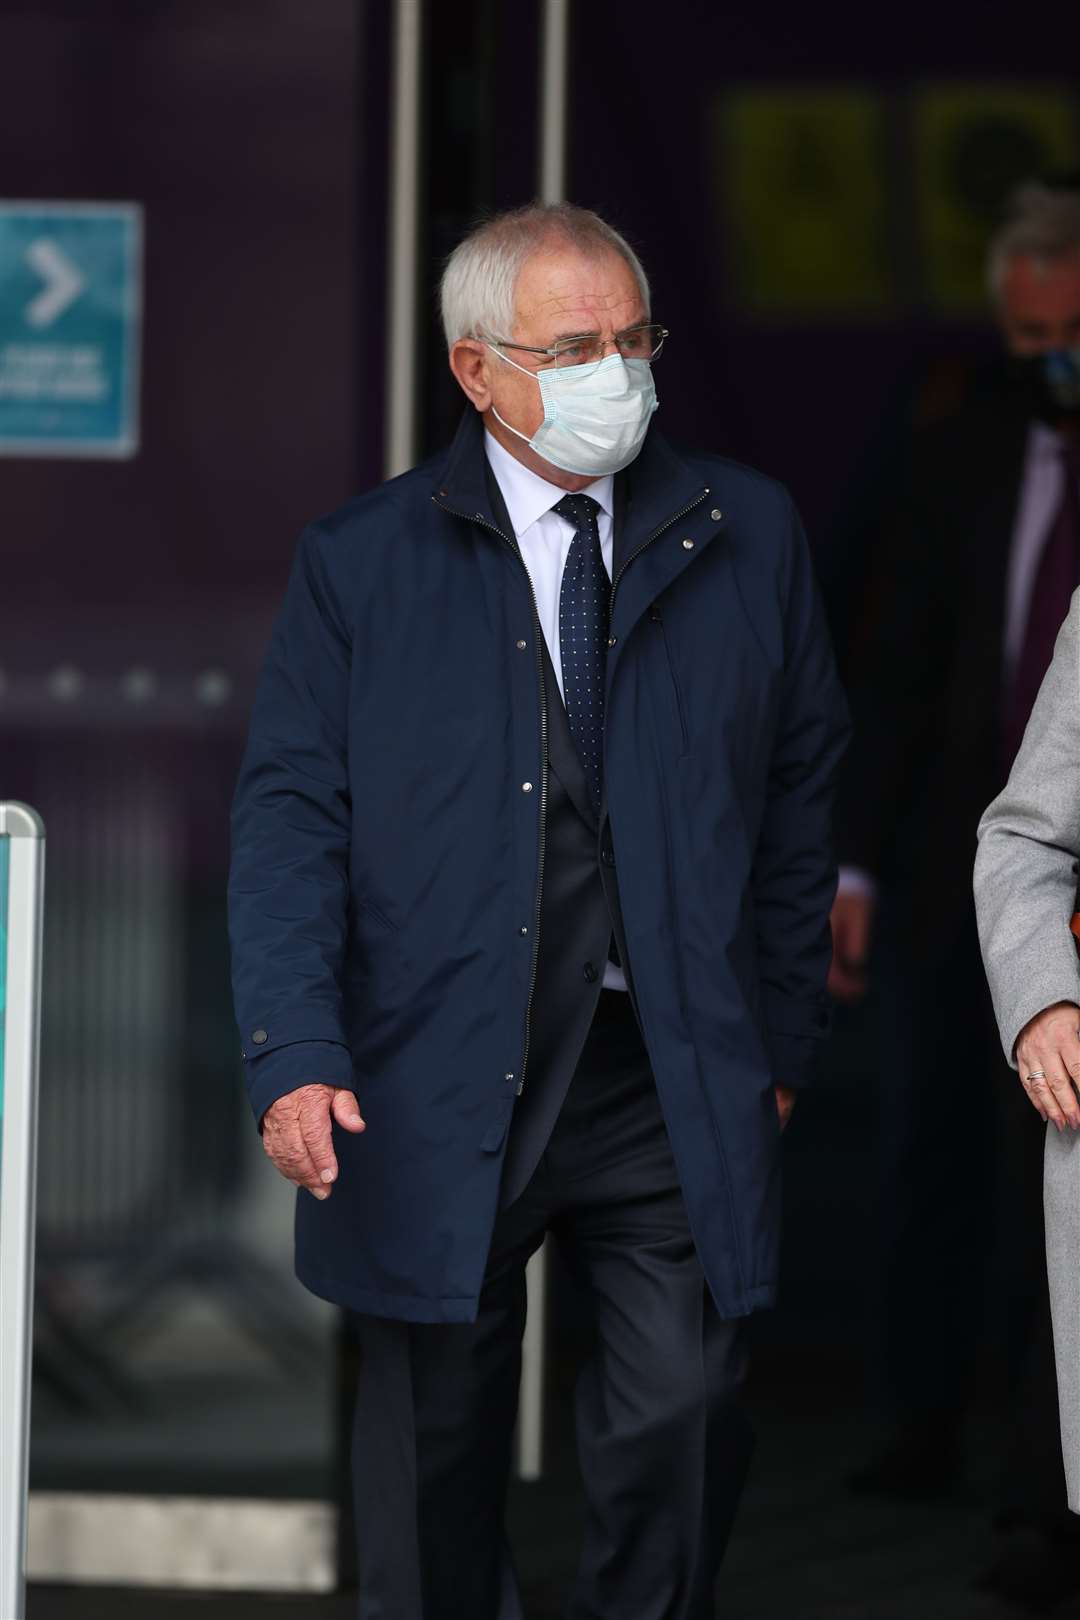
[
  {"x": 236, "y": 127},
  {"x": 802, "y": 396}
]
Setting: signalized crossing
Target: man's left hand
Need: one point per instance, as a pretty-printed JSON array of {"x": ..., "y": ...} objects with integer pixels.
[{"x": 785, "y": 1103}]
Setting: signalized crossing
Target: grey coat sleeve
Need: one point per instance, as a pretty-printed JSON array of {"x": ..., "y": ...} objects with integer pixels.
[{"x": 1029, "y": 842}]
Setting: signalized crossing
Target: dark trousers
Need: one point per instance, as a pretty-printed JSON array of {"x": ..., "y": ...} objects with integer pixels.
[
  {"x": 663, "y": 1444},
  {"x": 938, "y": 1091},
  {"x": 960, "y": 1180}
]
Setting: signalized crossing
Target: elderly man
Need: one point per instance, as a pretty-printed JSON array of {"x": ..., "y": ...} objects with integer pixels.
[
  {"x": 1025, "y": 893},
  {"x": 532, "y": 868}
]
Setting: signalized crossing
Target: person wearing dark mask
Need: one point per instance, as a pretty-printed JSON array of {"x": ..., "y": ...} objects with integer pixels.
[
  {"x": 977, "y": 557},
  {"x": 1051, "y": 381}
]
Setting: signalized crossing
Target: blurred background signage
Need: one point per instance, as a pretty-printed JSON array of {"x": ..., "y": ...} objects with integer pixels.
[
  {"x": 972, "y": 144},
  {"x": 808, "y": 203},
  {"x": 846, "y": 202},
  {"x": 70, "y": 302}
]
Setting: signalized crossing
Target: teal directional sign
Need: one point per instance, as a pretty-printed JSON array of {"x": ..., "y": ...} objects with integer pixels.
[{"x": 70, "y": 305}]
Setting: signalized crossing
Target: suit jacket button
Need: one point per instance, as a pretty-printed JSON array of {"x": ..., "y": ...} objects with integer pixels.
[
  {"x": 260, "y": 1037},
  {"x": 590, "y": 973}
]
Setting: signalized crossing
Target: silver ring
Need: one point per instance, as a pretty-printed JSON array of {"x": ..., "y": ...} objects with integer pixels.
[{"x": 1037, "y": 1074}]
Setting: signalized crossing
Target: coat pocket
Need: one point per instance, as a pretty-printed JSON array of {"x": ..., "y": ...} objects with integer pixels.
[{"x": 657, "y": 620}]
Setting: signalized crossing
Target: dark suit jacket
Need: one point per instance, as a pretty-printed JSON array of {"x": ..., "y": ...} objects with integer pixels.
[
  {"x": 927, "y": 693},
  {"x": 580, "y": 911}
]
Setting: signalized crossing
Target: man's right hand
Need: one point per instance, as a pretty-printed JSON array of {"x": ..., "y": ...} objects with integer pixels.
[
  {"x": 297, "y": 1138},
  {"x": 852, "y": 920}
]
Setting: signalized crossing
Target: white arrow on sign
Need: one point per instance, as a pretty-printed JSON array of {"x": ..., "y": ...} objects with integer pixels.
[{"x": 63, "y": 282}]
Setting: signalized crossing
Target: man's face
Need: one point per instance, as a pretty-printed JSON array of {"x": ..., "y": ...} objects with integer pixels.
[
  {"x": 560, "y": 293},
  {"x": 1040, "y": 305}
]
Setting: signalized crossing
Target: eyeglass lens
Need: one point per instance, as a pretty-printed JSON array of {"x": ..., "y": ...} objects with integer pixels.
[{"x": 640, "y": 343}]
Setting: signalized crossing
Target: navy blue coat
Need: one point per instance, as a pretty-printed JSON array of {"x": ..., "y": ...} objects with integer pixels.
[{"x": 385, "y": 857}]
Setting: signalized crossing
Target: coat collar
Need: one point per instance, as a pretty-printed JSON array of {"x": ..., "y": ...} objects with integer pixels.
[
  {"x": 461, "y": 485},
  {"x": 658, "y": 485},
  {"x": 528, "y": 496}
]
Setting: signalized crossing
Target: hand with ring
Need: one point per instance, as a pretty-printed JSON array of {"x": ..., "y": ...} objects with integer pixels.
[{"x": 1048, "y": 1058}]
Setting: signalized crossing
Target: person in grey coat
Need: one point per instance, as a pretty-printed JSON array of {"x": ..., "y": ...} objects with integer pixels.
[{"x": 1025, "y": 894}]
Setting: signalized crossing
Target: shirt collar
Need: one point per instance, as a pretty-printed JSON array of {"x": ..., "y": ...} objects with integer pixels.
[{"x": 528, "y": 496}]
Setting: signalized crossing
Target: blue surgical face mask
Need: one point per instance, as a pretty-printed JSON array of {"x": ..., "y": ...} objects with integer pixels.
[
  {"x": 1050, "y": 383},
  {"x": 595, "y": 416}
]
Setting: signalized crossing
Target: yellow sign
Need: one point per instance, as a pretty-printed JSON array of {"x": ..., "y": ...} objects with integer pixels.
[
  {"x": 805, "y": 173},
  {"x": 973, "y": 144}
]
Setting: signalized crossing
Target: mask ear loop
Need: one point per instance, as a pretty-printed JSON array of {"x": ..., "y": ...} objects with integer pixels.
[
  {"x": 523, "y": 369},
  {"x": 526, "y": 372}
]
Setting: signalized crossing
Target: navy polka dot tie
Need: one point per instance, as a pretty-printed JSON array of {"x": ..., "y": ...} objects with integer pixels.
[{"x": 583, "y": 636}]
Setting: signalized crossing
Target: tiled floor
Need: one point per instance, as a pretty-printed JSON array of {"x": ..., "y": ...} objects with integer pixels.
[{"x": 803, "y": 1548}]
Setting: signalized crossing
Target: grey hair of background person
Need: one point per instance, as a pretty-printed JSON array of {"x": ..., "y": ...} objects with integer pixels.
[
  {"x": 476, "y": 293},
  {"x": 1041, "y": 222}
]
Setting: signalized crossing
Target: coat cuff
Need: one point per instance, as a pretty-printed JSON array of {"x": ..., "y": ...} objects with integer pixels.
[
  {"x": 795, "y": 1036},
  {"x": 794, "y": 1060},
  {"x": 287, "y": 1067},
  {"x": 1048, "y": 994}
]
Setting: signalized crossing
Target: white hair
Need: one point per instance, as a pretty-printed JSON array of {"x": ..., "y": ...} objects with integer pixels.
[
  {"x": 1042, "y": 223},
  {"x": 476, "y": 293}
]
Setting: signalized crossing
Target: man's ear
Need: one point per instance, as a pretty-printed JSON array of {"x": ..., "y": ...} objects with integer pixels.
[{"x": 469, "y": 360}]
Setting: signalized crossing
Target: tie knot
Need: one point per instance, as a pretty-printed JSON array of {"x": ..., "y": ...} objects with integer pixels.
[{"x": 580, "y": 510}]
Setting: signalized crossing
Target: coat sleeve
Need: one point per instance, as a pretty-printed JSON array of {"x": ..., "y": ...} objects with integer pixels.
[
  {"x": 1029, "y": 845},
  {"x": 288, "y": 879},
  {"x": 794, "y": 871}
]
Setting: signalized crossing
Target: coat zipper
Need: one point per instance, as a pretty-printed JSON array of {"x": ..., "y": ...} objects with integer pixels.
[
  {"x": 475, "y": 517},
  {"x": 670, "y": 522}
]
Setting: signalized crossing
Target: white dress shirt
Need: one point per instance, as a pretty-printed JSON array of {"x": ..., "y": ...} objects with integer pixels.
[
  {"x": 544, "y": 538},
  {"x": 1042, "y": 486}
]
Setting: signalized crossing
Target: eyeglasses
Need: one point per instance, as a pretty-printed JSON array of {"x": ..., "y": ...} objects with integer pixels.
[{"x": 636, "y": 343}]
